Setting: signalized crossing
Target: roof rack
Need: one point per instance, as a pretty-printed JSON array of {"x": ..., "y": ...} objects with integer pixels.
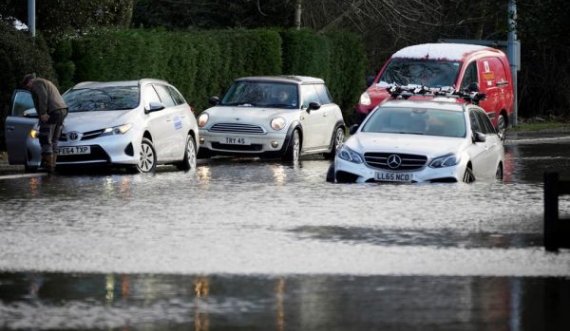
[{"x": 404, "y": 92}]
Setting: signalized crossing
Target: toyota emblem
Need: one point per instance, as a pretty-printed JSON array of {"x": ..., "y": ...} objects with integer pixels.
[
  {"x": 394, "y": 161},
  {"x": 73, "y": 136}
]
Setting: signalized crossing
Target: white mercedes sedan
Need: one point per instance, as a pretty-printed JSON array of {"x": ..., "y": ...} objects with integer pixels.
[
  {"x": 414, "y": 141},
  {"x": 133, "y": 124}
]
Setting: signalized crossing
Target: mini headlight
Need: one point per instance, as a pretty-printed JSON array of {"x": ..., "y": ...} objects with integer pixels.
[
  {"x": 447, "y": 160},
  {"x": 348, "y": 154},
  {"x": 278, "y": 123},
  {"x": 121, "y": 129},
  {"x": 203, "y": 119},
  {"x": 365, "y": 99}
]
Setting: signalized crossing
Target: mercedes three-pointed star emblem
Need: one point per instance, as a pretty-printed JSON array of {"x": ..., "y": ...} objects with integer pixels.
[{"x": 394, "y": 161}]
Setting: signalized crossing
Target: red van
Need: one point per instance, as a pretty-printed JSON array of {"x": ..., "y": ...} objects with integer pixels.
[{"x": 460, "y": 66}]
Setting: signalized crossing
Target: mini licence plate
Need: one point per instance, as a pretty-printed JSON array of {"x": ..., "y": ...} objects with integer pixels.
[
  {"x": 235, "y": 141},
  {"x": 75, "y": 150},
  {"x": 394, "y": 177}
]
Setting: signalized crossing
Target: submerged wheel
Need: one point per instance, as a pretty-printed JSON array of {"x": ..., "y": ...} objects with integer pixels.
[
  {"x": 468, "y": 177},
  {"x": 294, "y": 148},
  {"x": 189, "y": 160},
  {"x": 147, "y": 161},
  {"x": 499, "y": 173},
  {"x": 502, "y": 126},
  {"x": 330, "y": 174},
  {"x": 337, "y": 141}
]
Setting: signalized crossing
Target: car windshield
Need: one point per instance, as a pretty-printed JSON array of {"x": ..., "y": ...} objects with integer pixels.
[
  {"x": 420, "y": 121},
  {"x": 262, "y": 94},
  {"x": 431, "y": 73},
  {"x": 102, "y": 99}
]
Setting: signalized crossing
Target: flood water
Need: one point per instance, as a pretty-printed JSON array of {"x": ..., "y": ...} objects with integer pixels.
[{"x": 259, "y": 245}]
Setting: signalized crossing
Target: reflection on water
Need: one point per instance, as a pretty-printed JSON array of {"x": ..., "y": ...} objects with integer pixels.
[
  {"x": 149, "y": 252},
  {"x": 207, "y": 303}
]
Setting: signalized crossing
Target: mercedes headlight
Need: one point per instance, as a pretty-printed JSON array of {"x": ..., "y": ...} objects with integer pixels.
[
  {"x": 203, "y": 119},
  {"x": 120, "y": 129},
  {"x": 278, "y": 123},
  {"x": 365, "y": 99},
  {"x": 447, "y": 160},
  {"x": 349, "y": 155}
]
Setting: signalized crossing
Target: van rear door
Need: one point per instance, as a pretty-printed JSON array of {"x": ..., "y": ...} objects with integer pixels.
[{"x": 492, "y": 83}]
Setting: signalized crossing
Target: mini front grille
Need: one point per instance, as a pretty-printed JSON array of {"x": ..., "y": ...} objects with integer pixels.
[
  {"x": 408, "y": 161},
  {"x": 244, "y": 148},
  {"x": 237, "y": 128}
]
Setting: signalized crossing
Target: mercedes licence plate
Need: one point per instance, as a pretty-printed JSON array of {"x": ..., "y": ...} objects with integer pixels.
[
  {"x": 75, "y": 150},
  {"x": 394, "y": 176}
]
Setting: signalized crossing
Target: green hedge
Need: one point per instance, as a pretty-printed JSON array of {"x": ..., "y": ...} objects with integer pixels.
[
  {"x": 338, "y": 58},
  {"x": 19, "y": 55},
  {"x": 199, "y": 64},
  {"x": 204, "y": 63}
]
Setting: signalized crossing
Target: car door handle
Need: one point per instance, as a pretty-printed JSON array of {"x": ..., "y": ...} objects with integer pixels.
[{"x": 10, "y": 128}]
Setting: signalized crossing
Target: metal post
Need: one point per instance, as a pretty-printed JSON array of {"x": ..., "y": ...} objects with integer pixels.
[
  {"x": 298, "y": 10},
  {"x": 513, "y": 52},
  {"x": 551, "y": 211},
  {"x": 32, "y": 17}
]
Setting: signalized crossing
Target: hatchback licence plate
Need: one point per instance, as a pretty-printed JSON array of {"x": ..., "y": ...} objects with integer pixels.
[
  {"x": 74, "y": 150},
  {"x": 235, "y": 141},
  {"x": 394, "y": 176}
]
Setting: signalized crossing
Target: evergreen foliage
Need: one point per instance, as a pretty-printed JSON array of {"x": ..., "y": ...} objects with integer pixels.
[
  {"x": 203, "y": 64},
  {"x": 19, "y": 55}
]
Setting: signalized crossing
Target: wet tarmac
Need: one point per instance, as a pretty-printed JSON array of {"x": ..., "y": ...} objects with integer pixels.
[{"x": 257, "y": 245}]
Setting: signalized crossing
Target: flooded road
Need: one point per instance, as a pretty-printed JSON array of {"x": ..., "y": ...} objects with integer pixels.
[{"x": 261, "y": 245}]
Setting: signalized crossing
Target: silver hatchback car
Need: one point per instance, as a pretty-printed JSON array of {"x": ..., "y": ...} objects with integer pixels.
[{"x": 135, "y": 124}]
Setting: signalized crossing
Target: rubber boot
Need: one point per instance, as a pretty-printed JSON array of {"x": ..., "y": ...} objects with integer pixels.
[
  {"x": 47, "y": 162},
  {"x": 53, "y": 162}
]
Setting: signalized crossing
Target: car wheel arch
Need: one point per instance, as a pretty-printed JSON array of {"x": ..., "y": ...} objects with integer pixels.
[
  {"x": 469, "y": 176},
  {"x": 296, "y": 125}
]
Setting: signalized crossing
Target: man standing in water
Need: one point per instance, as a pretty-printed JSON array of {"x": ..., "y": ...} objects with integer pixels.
[{"x": 52, "y": 110}]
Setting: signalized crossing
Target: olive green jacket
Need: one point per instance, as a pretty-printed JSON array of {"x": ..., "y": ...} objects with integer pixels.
[{"x": 46, "y": 96}]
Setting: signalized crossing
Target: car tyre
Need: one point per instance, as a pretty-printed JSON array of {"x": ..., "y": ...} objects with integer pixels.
[
  {"x": 147, "y": 161},
  {"x": 294, "y": 148},
  {"x": 30, "y": 168},
  {"x": 468, "y": 177},
  {"x": 499, "y": 173},
  {"x": 502, "y": 127},
  {"x": 337, "y": 141},
  {"x": 330, "y": 174},
  {"x": 189, "y": 160}
]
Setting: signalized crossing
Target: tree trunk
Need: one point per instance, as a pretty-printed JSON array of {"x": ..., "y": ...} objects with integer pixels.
[{"x": 298, "y": 12}]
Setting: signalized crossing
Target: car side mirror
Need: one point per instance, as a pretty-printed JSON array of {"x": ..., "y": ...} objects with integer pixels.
[
  {"x": 353, "y": 128},
  {"x": 370, "y": 80},
  {"x": 313, "y": 106},
  {"x": 154, "y": 106},
  {"x": 213, "y": 101},
  {"x": 479, "y": 137},
  {"x": 31, "y": 113}
]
